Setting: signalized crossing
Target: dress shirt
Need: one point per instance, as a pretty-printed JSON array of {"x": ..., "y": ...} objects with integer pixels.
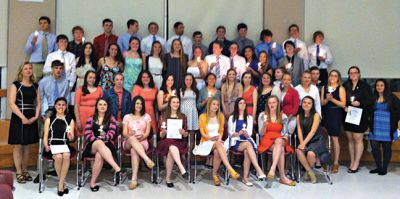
[
  {"x": 186, "y": 42},
  {"x": 99, "y": 44},
  {"x": 123, "y": 40},
  {"x": 35, "y": 51},
  {"x": 243, "y": 42},
  {"x": 69, "y": 65},
  {"x": 203, "y": 47},
  {"x": 302, "y": 53},
  {"x": 239, "y": 64},
  {"x": 46, "y": 88},
  {"x": 323, "y": 51},
  {"x": 272, "y": 57},
  {"x": 75, "y": 48},
  {"x": 314, "y": 93},
  {"x": 147, "y": 42},
  {"x": 225, "y": 50},
  {"x": 224, "y": 65}
]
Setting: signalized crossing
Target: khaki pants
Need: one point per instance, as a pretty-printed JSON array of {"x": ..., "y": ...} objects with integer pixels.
[{"x": 38, "y": 71}]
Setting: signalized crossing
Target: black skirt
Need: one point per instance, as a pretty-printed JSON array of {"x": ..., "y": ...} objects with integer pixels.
[
  {"x": 88, "y": 149},
  {"x": 23, "y": 134}
]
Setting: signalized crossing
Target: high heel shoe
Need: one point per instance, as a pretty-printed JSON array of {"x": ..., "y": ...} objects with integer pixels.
[
  {"x": 59, "y": 193},
  {"x": 335, "y": 168},
  {"x": 352, "y": 171},
  {"x": 170, "y": 184},
  {"x": 95, "y": 188},
  {"x": 150, "y": 164},
  {"x": 217, "y": 181},
  {"x": 312, "y": 176},
  {"x": 66, "y": 190},
  {"x": 291, "y": 183},
  {"x": 261, "y": 177},
  {"x": 133, "y": 185},
  {"x": 234, "y": 175},
  {"x": 117, "y": 177},
  {"x": 185, "y": 175}
]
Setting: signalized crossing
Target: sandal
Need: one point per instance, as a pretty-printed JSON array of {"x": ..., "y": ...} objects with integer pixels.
[
  {"x": 95, "y": 188},
  {"x": 27, "y": 176},
  {"x": 133, "y": 185},
  {"x": 20, "y": 178},
  {"x": 247, "y": 183},
  {"x": 270, "y": 179},
  {"x": 291, "y": 183},
  {"x": 217, "y": 181},
  {"x": 234, "y": 175},
  {"x": 150, "y": 164},
  {"x": 335, "y": 168}
]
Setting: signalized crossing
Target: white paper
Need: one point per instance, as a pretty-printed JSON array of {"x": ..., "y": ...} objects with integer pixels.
[
  {"x": 353, "y": 115},
  {"x": 173, "y": 126},
  {"x": 56, "y": 149}
]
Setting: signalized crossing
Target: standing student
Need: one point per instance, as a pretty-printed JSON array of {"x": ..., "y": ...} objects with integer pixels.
[
  {"x": 167, "y": 90},
  {"x": 76, "y": 45},
  {"x": 108, "y": 66},
  {"x": 86, "y": 62},
  {"x": 148, "y": 41},
  {"x": 24, "y": 100},
  {"x": 242, "y": 39},
  {"x": 384, "y": 125},
  {"x": 237, "y": 62},
  {"x": 221, "y": 30},
  {"x": 176, "y": 62},
  {"x": 333, "y": 100},
  {"x": 59, "y": 130},
  {"x": 359, "y": 95},
  {"x": 307, "y": 89},
  {"x": 102, "y": 42},
  {"x": 250, "y": 94},
  {"x": 198, "y": 42},
  {"x": 155, "y": 63},
  {"x": 134, "y": 63},
  {"x": 266, "y": 89},
  {"x": 208, "y": 92},
  {"x": 251, "y": 64},
  {"x": 300, "y": 48},
  {"x": 290, "y": 101},
  {"x": 218, "y": 63},
  {"x": 179, "y": 30},
  {"x": 274, "y": 50},
  {"x": 198, "y": 67},
  {"x": 38, "y": 45},
  {"x": 230, "y": 91},
  {"x": 188, "y": 95},
  {"x": 320, "y": 55},
  {"x": 133, "y": 31},
  {"x": 292, "y": 62}
]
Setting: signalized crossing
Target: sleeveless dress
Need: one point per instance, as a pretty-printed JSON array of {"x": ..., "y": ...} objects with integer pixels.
[
  {"x": 58, "y": 130},
  {"x": 107, "y": 76},
  {"x": 317, "y": 144},
  {"x": 381, "y": 131},
  {"x": 230, "y": 97},
  {"x": 87, "y": 104},
  {"x": 164, "y": 143},
  {"x": 155, "y": 67},
  {"x": 137, "y": 127},
  {"x": 132, "y": 68},
  {"x": 272, "y": 132},
  {"x": 175, "y": 67},
  {"x": 332, "y": 115},
  {"x": 26, "y": 101},
  {"x": 204, "y": 148},
  {"x": 188, "y": 104},
  {"x": 248, "y": 98},
  {"x": 195, "y": 71}
]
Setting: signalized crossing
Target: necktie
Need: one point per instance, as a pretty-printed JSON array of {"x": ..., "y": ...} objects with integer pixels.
[
  {"x": 217, "y": 69},
  {"x": 317, "y": 55},
  {"x": 56, "y": 93},
  {"x": 179, "y": 37},
  {"x": 63, "y": 57},
  {"x": 232, "y": 63},
  {"x": 105, "y": 45},
  {"x": 154, "y": 38},
  {"x": 44, "y": 47}
]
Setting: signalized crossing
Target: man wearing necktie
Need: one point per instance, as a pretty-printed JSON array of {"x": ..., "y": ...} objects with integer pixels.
[
  {"x": 320, "y": 56},
  {"x": 219, "y": 63},
  {"x": 147, "y": 41}
]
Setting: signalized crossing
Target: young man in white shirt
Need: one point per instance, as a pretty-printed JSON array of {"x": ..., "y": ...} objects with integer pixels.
[
  {"x": 237, "y": 62},
  {"x": 179, "y": 29},
  {"x": 320, "y": 55},
  {"x": 147, "y": 42},
  {"x": 218, "y": 63},
  {"x": 300, "y": 47}
]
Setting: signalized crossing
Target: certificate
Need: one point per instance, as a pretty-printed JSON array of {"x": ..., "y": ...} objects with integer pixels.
[
  {"x": 353, "y": 115},
  {"x": 173, "y": 126},
  {"x": 56, "y": 149}
]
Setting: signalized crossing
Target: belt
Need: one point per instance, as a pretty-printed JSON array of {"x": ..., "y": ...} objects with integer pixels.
[
  {"x": 157, "y": 74},
  {"x": 42, "y": 62}
]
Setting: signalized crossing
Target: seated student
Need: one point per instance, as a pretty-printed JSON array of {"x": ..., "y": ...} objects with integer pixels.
[
  {"x": 312, "y": 143},
  {"x": 221, "y": 30},
  {"x": 211, "y": 124},
  {"x": 274, "y": 138},
  {"x": 384, "y": 125},
  {"x": 39, "y": 45},
  {"x": 59, "y": 130},
  {"x": 240, "y": 128},
  {"x": 99, "y": 132},
  {"x": 170, "y": 148},
  {"x": 136, "y": 131}
]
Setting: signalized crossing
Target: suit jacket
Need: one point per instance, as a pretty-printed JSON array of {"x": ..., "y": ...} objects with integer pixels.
[{"x": 297, "y": 68}]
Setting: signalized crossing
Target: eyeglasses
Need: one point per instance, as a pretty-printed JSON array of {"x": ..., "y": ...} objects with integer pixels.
[{"x": 351, "y": 73}]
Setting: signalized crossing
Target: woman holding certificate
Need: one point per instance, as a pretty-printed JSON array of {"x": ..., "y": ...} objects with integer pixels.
[
  {"x": 136, "y": 129},
  {"x": 211, "y": 124},
  {"x": 358, "y": 96},
  {"x": 172, "y": 127},
  {"x": 240, "y": 128},
  {"x": 58, "y": 131}
]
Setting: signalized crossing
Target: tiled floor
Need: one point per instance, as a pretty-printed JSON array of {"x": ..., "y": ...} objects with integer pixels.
[{"x": 360, "y": 185}]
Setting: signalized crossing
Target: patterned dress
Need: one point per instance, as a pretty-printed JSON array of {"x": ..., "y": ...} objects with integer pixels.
[
  {"x": 107, "y": 76},
  {"x": 188, "y": 104},
  {"x": 381, "y": 131},
  {"x": 230, "y": 97},
  {"x": 137, "y": 127},
  {"x": 261, "y": 102},
  {"x": 133, "y": 66}
]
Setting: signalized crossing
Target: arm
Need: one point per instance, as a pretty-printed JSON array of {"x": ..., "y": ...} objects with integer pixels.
[
  {"x": 46, "y": 134},
  {"x": 125, "y": 130},
  {"x": 78, "y": 95},
  {"x": 30, "y": 44},
  {"x": 329, "y": 57},
  {"x": 147, "y": 133},
  {"x": 37, "y": 110},
  {"x": 89, "y": 134},
  {"x": 249, "y": 127},
  {"x": 324, "y": 101},
  {"x": 223, "y": 89},
  {"x": 231, "y": 127},
  {"x": 221, "y": 120},
  {"x": 203, "y": 69},
  {"x": 255, "y": 97},
  {"x": 112, "y": 128},
  {"x": 71, "y": 134},
  {"x": 342, "y": 95},
  {"x": 160, "y": 101},
  {"x": 261, "y": 127},
  {"x": 72, "y": 74},
  {"x": 44, "y": 104},
  {"x": 203, "y": 127},
  {"x": 241, "y": 90},
  {"x": 299, "y": 130}
]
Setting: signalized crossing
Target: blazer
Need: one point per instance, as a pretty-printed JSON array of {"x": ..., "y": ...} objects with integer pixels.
[{"x": 297, "y": 68}]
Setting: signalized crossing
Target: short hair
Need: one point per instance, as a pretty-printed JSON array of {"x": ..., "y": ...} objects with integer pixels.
[
  {"x": 176, "y": 24},
  {"x": 131, "y": 22},
  {"x": 152, "y": 23},
  {"x": 288, "y": 43},
  {"x": 197, "y": 32},
  {"x": 317, "y": 33},
  {"x": 295, "y": 26},
  {"x": 220, "y": 27},
  {"x": 219, "y": 43},
  {"x": 45, "y": 18},
  {"x": 265, "y": 33},
  {"x": 353, "y": 67},
  {"x": 313, "y": 68},
  {"x": 140, "y": 98},
  {"x": 75, "y": 28},
  {"x": 107, "y": 20},
  {"x": 56, "y": 63},
  {"x": 61, "y": 37},
  {"x": 241, "y": 25}
]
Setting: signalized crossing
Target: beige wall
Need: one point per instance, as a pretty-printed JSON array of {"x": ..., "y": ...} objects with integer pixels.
[
  {"x": 23, "y": 19},
  {"x": 279, "y": 15},
  {"x": 3, "y": 31}
]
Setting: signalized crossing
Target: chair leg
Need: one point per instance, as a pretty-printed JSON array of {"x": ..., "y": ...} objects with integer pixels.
[{"x": 40, "y": 166}]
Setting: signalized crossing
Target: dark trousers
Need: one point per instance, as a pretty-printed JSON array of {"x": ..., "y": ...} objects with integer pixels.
[
  {"x": 323, "y": 76},
  {"x": 376, "y": 152}
]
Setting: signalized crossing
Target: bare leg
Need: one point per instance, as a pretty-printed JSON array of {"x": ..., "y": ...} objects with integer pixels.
[
  {"x": 246, "y": 166},
  {"x": 174, "y": 151},
  {"x": 57, "y": 163},
  {"x": 25, "y": 159},
  {"x": 135, "y": 144},
  {"x": 134, "y": 164},
  {"x": 281, "y": 167},
  {"x": 351, "y": 147},
  {"x": 359, "y": 148},
  {"x": 64, "y": 169},
  {"x": 169, "y": 164},
  {"x": 18, "y": 156},
  {"x": 216, "y": 163},
  {"x": 222, "y": 154},
  {"x": 97, "y": 165},
  {"x": 100, "y": 147},
  {"x": 311, "y": 158},
  {"x": 302, "y": 159},
  {"x": 336, "y": 149},
  {"x": 276, "y": 154}
]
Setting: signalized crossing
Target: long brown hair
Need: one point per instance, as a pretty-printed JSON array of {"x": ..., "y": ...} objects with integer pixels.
[
  {"x": 167, "y": 113},
  {"x": 278, "y": 110},
  {"x": 182, "y": 58}
]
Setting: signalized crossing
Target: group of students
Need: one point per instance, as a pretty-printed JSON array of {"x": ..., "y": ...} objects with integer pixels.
[{"x": 131, "y": 93}]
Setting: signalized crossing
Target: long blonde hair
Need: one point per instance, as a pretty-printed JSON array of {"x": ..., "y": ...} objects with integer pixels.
[
  {"x": 278, "y": 110},
  {"x": 208, "y": 109},
  {"x": 19, "y": 73}
]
